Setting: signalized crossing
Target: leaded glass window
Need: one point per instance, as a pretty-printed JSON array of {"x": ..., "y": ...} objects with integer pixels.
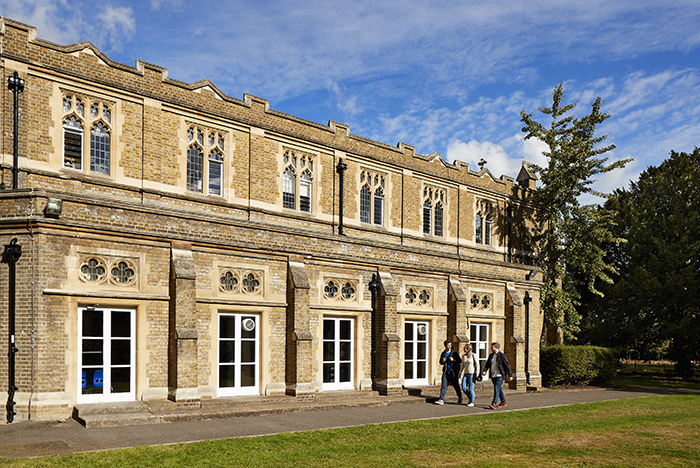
[
  {"x": 438, "y": 219},
  {"x": 215, "y": 171},
  {"x": 305, "y": 192},
  {"x": 288, "y": 188},
  {"x": 427, "y": 215},
  {"x": 378, "y": 206},
  {"x": 195, "y": 161},
  {"x": 99, "y": 149},
  {"x": 364, "y": 204}
]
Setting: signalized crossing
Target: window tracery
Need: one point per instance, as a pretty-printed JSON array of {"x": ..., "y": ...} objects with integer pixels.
[
  {"x": 108, "y": 270},
  {"x": 483, "y": 223},
  {"x": 372, "y": 197},
  {"x": 481, "y": 301},
  {"x": 99, "y": 122},
  {"x": 434, "y": 200},
  {"x": 241, "y": 281},
  {"x": 341, "y": 290},
  {"x": 418, "y": 296},
  {"x": 297, "y": 181},
  {"x": 205, "y": 156}
]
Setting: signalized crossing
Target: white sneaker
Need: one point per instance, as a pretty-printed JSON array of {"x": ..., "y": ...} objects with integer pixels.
[
  {"x": 439, "y": 402},
  {"x": 470, "y": 404}
]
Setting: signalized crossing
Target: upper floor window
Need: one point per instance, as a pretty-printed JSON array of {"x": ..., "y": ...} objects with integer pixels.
[
  {"x": 483, "y": 223},
  {"x": 433, "y": 209},
  {"x": 75, "y": 122},
  {"x": 205, "y": 160},
  {"x": 372, "y": 198},
  {"x": 297, "y": 181}
]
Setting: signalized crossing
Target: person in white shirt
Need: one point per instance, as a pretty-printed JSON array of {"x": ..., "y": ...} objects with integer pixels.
[{"x": 470, "y": 369}]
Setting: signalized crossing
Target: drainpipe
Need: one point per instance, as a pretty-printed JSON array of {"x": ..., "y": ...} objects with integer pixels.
[
  {"x": 510, "y": 233},
  {"x": 374, "y": 285},
  {"x": 341, "y": 174},
  {"x": 16, "y": 85},
  {"x": 12, "y": 252},
  {"x": 526, "y": 302}
]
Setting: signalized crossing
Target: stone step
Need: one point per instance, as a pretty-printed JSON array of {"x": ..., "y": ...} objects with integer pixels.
[
  {"x": 118, "y": 419},
  {"x": 163, "y": 411}
]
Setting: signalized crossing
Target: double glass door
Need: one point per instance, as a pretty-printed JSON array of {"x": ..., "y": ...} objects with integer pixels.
[
  {"x": 337, "y": 354},
  {"x": 239, "y": 359},
  {"x": 106, "y": 354},
  {"x": 415, "y": 354}
]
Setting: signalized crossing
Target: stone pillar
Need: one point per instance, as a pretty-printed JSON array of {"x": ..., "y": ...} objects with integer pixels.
[
  {"x": 388, "y": 336},
  {"x": 301, "y": 366},
  {"x": 514, "y": 342},
  {"x": 182, "y": 345},
  {"x": 457, "y": 325}
]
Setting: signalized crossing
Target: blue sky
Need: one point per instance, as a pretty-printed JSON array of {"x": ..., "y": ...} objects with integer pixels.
[{"x": 444, "y": 76}]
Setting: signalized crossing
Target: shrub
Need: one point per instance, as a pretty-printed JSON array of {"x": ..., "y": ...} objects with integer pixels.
[{"x": 563, "y": 365}]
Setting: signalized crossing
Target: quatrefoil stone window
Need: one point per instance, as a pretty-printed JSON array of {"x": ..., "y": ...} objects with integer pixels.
[
  {"x": 240, "y": 281},
  {"x": 101, "y": 270},
  {"x": 480, "y": 301},
  {"x": 340, "y": 290}
]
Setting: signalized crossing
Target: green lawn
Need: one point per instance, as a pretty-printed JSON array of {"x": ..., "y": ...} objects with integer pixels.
[
  {"x": 651, "y": 375},
  {"x": 653, "y": 431}
]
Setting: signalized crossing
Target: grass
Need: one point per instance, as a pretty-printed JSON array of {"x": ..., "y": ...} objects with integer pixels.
[
  {"x": 651, "y": 375},
  {"x": 653, "y": 431}
]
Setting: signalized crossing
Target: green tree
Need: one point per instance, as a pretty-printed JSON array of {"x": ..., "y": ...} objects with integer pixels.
[
  {"x": 569, "y": 236},
  {"x": 654, "y": 303}
]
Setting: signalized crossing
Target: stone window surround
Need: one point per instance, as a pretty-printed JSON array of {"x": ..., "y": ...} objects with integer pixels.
[
  {"x": 432, "y": 196},
  {"x": 340, "y": 284},
  {"x": 422, "y": 297},
  {"x": 108, "y": 264},
  {"x": 376, "y": 183},
  {"x": 105, "y": 116},
  {"x": 241, "y": 276},
  {"x": 300, "y": 163},
  {"x": 481, "y": 300},
  {"x": 221, "y": 145}
]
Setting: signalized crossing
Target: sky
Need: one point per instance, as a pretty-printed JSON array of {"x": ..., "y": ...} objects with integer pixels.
[{"x": 443, "y": 76}]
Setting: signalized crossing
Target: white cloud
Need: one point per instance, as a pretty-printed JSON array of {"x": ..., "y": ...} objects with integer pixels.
[
  {"x": 498, "y": 161},
  {"x": 116, "y": 26}
]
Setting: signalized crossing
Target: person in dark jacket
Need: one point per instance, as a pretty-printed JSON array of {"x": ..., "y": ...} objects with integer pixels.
[
  {"x": 451, "y": 364},
  {"x": 497, "y": 364}
]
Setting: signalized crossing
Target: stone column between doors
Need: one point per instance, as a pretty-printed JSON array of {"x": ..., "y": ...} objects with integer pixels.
[
  {"x": 457, "y": 325},
  {"x": 515, "y": 331},
  {"x": 301, "y": 365},
  {"x": 389, "y": 359},
  {"x": 182, "y": 343}
]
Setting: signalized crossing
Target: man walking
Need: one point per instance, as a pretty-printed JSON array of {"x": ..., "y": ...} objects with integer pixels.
[
  {"x": 451, "y": 363},
  {"x": 497, "y": 364}
]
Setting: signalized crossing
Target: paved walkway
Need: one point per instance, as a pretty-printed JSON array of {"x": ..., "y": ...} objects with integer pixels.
[{"x": 40, "y": 438}]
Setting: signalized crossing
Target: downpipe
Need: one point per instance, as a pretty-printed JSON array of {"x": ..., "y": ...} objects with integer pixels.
[{"x": 12, "y": 253}]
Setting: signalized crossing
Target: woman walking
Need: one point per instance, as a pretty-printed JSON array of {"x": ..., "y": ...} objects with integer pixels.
[{"x": 470, "y": 366}]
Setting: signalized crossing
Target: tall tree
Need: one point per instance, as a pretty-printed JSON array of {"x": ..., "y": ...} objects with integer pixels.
[
  {"x": 655, "y": 302},
  {"x": 569, "y": 235}
]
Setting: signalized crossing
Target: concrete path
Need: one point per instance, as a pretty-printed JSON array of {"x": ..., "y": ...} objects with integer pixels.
[{"x": 40, "y": 438}]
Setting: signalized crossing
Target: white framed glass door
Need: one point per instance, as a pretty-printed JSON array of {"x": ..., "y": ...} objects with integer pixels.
[
  {"x": 415, "y": 353},
  {"x": 338, "y": 355},
  {"x": 479, "y": 340},
  {"x": 238, "y": 357},
  {"x": 106, "y": 355}
]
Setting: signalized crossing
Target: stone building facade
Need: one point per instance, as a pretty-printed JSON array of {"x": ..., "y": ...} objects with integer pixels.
[{"x": 178, "y": 243}]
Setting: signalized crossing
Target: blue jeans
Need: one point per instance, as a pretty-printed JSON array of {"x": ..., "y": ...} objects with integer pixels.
[
  {"x": 452, "y": 381},
  {"x": 498, "y": 390},
  {"x": 468, "y": 386}
]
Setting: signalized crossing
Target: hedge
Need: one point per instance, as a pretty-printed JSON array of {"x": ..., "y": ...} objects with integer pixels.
[{"x": 563, "y": 365}]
